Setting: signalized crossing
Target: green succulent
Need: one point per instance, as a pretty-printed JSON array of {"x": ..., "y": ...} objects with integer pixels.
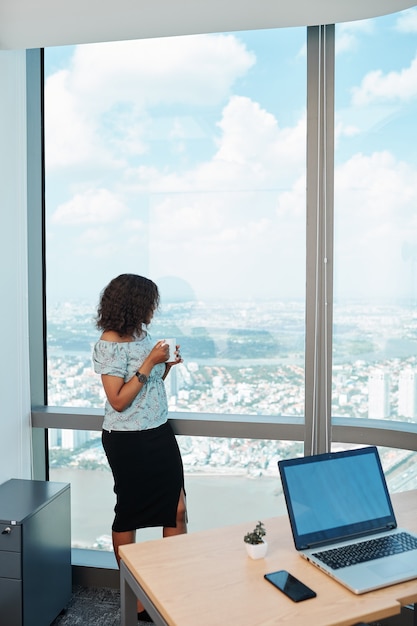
[{"x": 257, "y": 534}]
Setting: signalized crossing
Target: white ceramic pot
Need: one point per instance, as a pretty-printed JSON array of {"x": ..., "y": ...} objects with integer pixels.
[{"x": 257, "y": 551}]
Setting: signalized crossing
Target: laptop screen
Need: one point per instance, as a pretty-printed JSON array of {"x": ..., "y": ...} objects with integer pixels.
[{"x": 335, "y": 496}]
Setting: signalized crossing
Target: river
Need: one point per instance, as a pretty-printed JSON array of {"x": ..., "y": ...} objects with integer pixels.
[{"x": 212, "y": 501}]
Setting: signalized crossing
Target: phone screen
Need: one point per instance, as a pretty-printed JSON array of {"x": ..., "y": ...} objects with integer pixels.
[{"x": 291, "y": 586}]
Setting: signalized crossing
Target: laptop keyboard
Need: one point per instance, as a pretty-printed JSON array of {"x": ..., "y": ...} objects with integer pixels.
[{"x": 367, "y": 550}]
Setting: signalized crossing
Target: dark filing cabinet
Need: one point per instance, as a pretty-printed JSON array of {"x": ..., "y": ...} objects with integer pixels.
[{"x": 35, "y": 551}]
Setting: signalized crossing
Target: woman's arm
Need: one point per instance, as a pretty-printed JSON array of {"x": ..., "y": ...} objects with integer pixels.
[{"x": 120, "y": 394}]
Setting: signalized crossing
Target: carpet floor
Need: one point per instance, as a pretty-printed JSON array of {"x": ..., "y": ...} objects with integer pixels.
[{"x": 91, "y": 606}]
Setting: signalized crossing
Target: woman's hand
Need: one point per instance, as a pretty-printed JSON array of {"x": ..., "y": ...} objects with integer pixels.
[{"x": 159, "y": 353}]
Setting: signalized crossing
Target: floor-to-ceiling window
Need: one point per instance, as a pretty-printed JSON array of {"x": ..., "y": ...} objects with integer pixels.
[
  {"x": 375, "y": 304},
  {"x": 182, "y": 159}
]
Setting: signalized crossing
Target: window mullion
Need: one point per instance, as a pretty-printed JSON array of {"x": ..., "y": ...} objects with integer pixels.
[{"x": 319, "y": 258}]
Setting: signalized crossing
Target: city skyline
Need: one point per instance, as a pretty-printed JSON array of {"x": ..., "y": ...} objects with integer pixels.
[{"x": 252, "y": 360}]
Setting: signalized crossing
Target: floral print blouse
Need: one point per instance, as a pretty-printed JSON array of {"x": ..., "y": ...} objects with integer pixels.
[{"x": 149, "y": 409}]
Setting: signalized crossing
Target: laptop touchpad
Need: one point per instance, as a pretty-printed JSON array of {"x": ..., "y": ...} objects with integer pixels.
[{"x": 396, "y": 566}]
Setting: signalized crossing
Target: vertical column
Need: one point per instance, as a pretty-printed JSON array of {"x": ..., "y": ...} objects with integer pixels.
[
  {"x": 36, "y": 252},
  {"x": 15, "y": 451},
  {"x": 319, "y": 271}
]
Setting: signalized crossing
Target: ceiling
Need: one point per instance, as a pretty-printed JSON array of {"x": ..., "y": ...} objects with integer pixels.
[{"x": 42, "y": 23}]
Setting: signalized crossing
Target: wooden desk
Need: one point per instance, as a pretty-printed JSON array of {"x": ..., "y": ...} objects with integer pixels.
[{"x": 206, "y": 578}]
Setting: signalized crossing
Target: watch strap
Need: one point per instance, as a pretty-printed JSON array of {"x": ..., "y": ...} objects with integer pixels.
[{"x": 142, "y": 378}]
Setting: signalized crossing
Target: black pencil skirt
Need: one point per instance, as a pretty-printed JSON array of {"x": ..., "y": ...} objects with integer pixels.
[{"x": 148, "y": 477}]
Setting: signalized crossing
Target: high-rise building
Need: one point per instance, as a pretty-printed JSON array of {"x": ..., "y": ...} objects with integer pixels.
[
  {"x": 68, "y": 439},
  {"x": 378, "y": 394},
  {"x": 407, "y": 394}
]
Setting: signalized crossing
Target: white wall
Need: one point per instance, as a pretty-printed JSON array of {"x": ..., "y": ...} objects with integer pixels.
[{"x": 15, "y": 433}]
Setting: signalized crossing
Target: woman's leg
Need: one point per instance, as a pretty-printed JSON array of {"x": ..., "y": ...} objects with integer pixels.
[
  {"x": 121, "y": 539},
  {"x": 181, "y": 527}
]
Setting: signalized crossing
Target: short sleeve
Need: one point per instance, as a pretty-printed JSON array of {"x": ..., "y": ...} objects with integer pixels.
[{"x": 110, "y": 358}]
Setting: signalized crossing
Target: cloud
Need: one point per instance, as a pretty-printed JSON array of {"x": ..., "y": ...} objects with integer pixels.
[
  {"x": 292, "y": 203},
  {"x": 238, "y": 213},
  {"x": 98, "y": 206},
  {"x": 69, "y": 134},
  {"x": 97, "y": 109},
  {"x": 387, "y": 187},
  {"x": 197, "y": 70},
  {"x": 373, "y": 197},
  {"x": 222, "y": 241},
  {"x": 348, "y": 35},
  {"x": 227, "y": 244},
  {"x": 226, "y": 206},
  {"x": 253, "y": 152},
  {"x": 407, "y": 21},
  {"x": 252, "y": 135},
  {"x": 226, "y": 212},
  {"x": 393, "y": 86},
  {"x": 343, "y": 129}
]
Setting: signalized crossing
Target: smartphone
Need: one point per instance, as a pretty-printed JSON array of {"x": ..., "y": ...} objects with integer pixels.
[{"x": 290, "y": 585}]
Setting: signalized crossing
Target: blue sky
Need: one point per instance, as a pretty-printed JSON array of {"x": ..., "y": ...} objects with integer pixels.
[{"x": 186, "y": 157}]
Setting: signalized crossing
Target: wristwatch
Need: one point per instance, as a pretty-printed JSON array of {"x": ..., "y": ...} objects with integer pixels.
[{"x": 142, "y": 378}]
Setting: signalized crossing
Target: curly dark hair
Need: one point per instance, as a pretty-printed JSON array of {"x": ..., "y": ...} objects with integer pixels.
[{"x": 126, "y": 303}]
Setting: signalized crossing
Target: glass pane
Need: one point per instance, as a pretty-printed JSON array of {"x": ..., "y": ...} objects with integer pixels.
[
  {"x": 182, "y": 159},
  {"x": 375, "y": 314},
  {"x": 217, "y": 472}
]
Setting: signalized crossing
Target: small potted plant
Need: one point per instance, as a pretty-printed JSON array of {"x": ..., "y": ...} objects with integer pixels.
[{"x": 256, "y": 546}]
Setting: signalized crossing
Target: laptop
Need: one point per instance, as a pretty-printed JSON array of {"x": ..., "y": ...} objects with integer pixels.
[{"x": 338, "y": 502}]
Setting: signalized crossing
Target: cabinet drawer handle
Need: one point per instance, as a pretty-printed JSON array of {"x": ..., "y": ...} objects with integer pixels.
[{"x": 7, "y": 531}]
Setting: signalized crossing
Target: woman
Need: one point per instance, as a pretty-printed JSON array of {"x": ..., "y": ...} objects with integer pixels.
[{"x": 140, "y": 445}]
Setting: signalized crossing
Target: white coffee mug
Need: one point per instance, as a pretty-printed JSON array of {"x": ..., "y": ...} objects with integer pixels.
[{"x": 172, "y": 342}]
